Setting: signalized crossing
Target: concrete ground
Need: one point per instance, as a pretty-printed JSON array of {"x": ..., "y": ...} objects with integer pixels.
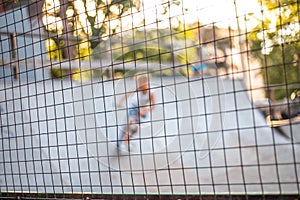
[{"x": 204, "y": 136}]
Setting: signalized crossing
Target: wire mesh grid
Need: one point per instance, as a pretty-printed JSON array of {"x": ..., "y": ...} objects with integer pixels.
[{"x": 216, "y": 115}]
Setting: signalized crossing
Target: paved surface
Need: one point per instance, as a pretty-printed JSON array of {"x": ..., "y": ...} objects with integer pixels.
[{"x": 202, "y": 137}]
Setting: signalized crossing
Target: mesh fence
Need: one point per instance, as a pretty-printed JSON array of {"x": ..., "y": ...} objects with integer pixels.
[{"x": 150, "y": 99}]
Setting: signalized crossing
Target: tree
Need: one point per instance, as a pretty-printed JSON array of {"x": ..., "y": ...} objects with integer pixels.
[
  {"x": 89, "y": 21},
  {"x": 275, "y": 42}
]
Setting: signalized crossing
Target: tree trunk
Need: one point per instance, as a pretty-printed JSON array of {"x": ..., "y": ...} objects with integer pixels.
[
  {"x": 36, "y": 16},
  {"x": 36, "y": 9},
  {"x": 1, "y": 7},
  {"x": 298, "y": 59},
  {"x": 68, "y": 45}
]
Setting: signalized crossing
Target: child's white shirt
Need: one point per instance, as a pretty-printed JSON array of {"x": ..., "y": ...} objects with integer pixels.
[{"x": 139, "y": 99}]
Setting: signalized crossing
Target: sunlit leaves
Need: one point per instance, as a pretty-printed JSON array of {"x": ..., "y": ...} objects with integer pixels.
[
  {"x": 275, "y": 43},
  {"x": 53, "y": 50},
  {"x": 278, "y": 24},
  {"x": 51, "y": 6},
  {"x": 91, "y": 8},
  {"x": 83, "y": 50},
  {"x": 76, "y": 21},
  {"x": 88, "y": 17},
  {"x": 53, "y": 24},
  {"x": 99, "y": 19}
]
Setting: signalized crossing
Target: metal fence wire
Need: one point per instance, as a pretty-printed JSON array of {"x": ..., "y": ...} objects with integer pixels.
[{"x": 136, "y": 99}]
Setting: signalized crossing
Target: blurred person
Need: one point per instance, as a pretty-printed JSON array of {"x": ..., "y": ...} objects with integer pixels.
[{"x": 139, "y": 104}]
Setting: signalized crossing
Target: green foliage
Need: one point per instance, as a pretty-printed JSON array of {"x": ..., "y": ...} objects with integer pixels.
[
  {"x": 100, "y": 20},
  {"x": 57, "y": 73},
  {"x": 162, "y": 46},
  {"x": 146, "y": 54},
  {"x": 52, "y": 47},
  {"x": 82, "y": 23},
  {"x": 83, "y": 50},
  {"x": 275, "y": 43}
]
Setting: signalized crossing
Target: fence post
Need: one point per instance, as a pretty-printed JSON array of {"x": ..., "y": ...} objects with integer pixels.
[
  {"x": 14, "y": 55},
  {"x": 271, "y": 94}
]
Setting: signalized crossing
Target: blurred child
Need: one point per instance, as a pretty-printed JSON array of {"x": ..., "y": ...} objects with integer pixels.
[{"x": 140, "y": 102}]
